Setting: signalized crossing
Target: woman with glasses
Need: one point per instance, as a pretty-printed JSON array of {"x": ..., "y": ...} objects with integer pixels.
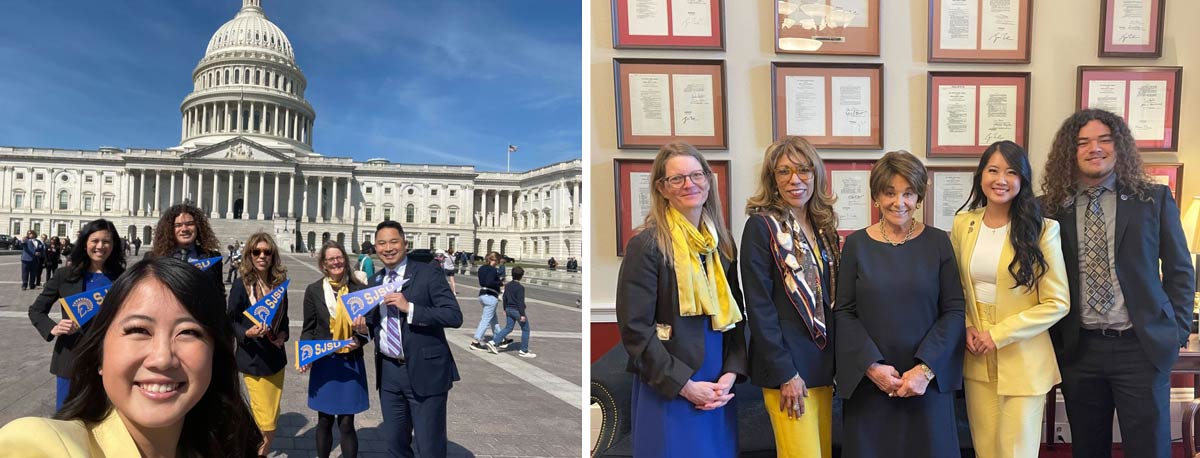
[
  {"x": 261, "y": 357},
  {"x": 1011, "y": 265},
  {"x": 789, "y": 259},
  {"x": 98, "y": 261},
  {"x": 337, "y": 388},
  {"x": 183, "y": 233},
  {"x": 680, "y": 316}
]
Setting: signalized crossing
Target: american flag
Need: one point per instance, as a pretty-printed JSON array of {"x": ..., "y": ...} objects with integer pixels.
[{"x": 512, "y": 148}]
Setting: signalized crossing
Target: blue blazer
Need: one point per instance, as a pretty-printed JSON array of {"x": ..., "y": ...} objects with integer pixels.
[
  {"x": 430, "y": 364},
  {"x": 31, "y": 251},
  {"x": 1147, "y": 232}
]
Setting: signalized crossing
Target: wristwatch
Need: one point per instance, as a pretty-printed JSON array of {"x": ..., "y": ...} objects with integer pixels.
[{"x": 927, "y": 371}]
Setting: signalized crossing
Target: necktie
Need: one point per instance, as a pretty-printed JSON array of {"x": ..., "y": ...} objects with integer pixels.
[
  {"x": 1098, "y": 278},
  {"x": 393, "y": 332}
]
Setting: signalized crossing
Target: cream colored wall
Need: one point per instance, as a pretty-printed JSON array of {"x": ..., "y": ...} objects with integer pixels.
[{"x": 1064, "y": 36}]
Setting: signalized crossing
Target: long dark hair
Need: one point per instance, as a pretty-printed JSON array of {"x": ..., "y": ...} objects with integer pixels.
[
  {"x": 1062, "y": 168},
  {"x": 164, "y": 232},
  {"x": 220, "y": 424},
  {"x": 79, "y": 260},
  {"x": 1024, "y": 214}
]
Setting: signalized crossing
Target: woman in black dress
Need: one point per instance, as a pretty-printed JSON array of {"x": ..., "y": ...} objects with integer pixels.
[{"x": 900, "y": 325}]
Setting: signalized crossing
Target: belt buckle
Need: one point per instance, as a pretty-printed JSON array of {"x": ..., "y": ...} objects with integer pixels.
[{"x": 1111, "y": 333}]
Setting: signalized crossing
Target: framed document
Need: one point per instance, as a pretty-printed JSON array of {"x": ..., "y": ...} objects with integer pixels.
[
  {"x": 946, "y": 192},
  {"x": 831, "y": 27},
  {"x": 1170, "y": 175},
  {"x": 668, "y": 24},
  {"x": 1147, "y": 97},
  {"x": 967, "y": 111},
  {"x": 660, "y": 101},
  {"x": 1131, "y": 28},
  {"x": 833, "y": 106},
  {"x": 850, "y": 182},
  {"x": 632, "y": 179},
  {"x": 992, "y": 31}
]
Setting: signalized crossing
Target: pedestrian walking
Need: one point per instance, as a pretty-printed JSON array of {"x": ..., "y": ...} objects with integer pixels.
[{"x": 514, "y": 308}]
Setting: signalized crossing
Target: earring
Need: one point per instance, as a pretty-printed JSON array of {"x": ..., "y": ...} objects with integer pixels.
[
  {"x": 876, "y": 204},
  {"x": 918, "y": 206}
]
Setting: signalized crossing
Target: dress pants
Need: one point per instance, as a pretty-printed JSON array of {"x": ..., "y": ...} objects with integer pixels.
[
  {"x": 406, "y": 414},
  {"x": 29, "y": 274},
  {"x": 1003, "y": 426},
  {"x": 1113, "y": 372},
  {"x": 811, "y": 435}
]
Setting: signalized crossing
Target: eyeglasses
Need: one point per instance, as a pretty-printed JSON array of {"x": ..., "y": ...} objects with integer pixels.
[
  {"x": 785, "y": 173},
  {"x": 187, "y": 223},
  {"x": 699, "y": 178},
  {"x": 335, "y": 260},
  {"x": 257, "y": 252}
]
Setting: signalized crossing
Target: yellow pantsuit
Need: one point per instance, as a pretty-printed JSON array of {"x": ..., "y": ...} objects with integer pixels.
[
  {"x": 1005, "y": 388},
  {"x": 809, "y": 436}
]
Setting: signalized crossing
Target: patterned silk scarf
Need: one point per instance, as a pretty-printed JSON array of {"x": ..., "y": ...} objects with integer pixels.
[
  {"x": 339, "y": 324},
  {"x": 703, "y": 288},
  {"x": 801, "y": 277}
]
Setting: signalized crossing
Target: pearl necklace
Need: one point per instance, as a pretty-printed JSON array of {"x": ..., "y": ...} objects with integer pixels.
[{"x": 912, "y": 226}]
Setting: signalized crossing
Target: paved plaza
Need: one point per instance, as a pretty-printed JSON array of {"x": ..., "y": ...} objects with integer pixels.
[{"x": 504, "y": 405}]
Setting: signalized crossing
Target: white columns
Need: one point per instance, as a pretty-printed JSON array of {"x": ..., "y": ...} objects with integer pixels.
[
  {"x": 225, "y": 126},
  {"x": 229, "y": 198},
  {"x": 261, "y": 190},
  {"x": 511, "y": 221},
  {"x": 320, "y": 199},
  {"x": 216, "y": 198},
  {"x": 157, "y": 195},
  {"x": 275, "y": 128},
  {"x": 496, "y": 204},
  {"x": 237, "y": 120},
  {"x": 304, "y": 209},
  {"x": 347, "y": 210},
  {"x": 578, "y": 203},
  {"x": 291, "y": 206},
  {"x": 127, "y": 193},
  {"x": 187, "y": 184},
  {"x": 333, "y": 202},
  {"x": 246, "y": 195},
  {"x": 200, "y": 190},
  {"x": 203, "y": 119},
  {"x": 172, "y": 192},
  {"x": 275, "y": 201}
]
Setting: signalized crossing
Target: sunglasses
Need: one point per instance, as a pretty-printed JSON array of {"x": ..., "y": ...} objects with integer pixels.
[{"x": 257, "y": 252}]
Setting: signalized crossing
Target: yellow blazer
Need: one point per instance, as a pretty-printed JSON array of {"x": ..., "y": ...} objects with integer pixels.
[
  {"x": 34, "y": 437},
  {"x": 1025, "y": 362}
]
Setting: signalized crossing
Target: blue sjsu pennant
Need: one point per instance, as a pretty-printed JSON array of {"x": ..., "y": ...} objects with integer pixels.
[
  {"x": 362, "y": 301},
  {"x": 308, "y": 351},
  {"x": 82, "y": 307},
  {"x": 204, "y": 264},
  {"x": 263, "y": 311}
]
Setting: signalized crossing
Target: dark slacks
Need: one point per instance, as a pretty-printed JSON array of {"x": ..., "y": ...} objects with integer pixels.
[
  {"x": 406, "y": 414},
  {"x": 1113, "y": 372},
  {"x": 29, "y": 274}
]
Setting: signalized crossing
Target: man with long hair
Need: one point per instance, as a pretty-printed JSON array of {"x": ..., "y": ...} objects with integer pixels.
[
  {"x": 183, "y": 233},
  {"x": 1117, "y": 344}
]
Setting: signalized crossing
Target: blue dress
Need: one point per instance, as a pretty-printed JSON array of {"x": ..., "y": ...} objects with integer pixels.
[
  {"x": 338, "y": 384},
  {"x": 675, "y": 427}
]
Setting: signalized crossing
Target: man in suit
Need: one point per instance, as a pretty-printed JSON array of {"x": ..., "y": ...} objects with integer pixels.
[
  {"x": 1117, "y": 344},
  {"x": 31, "y": 251},
  {"x": 414, "y": 369}
]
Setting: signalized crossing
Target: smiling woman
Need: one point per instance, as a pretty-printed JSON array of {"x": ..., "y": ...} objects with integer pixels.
[{"x": 155, "y": 377}]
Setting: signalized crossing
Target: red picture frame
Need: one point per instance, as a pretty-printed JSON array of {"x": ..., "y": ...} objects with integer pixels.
[
  {"x": 657, "y": 25},
  {"x": 1170, "y": 174},
  {"x": 826, "y": 27},
  {"x": 985, "y": 35},
  {"x": 939, "y": 209},
  {"x": 1154, "y": 92},
  {"x": 1123, "y": 32},
  {"x": 997, "y": 97},
  {"x": 853, "y": 193},
  {"x": 629, "y": 174},
  {"x": 793, "y": 104},
  {"x": 658, "y": 94}
]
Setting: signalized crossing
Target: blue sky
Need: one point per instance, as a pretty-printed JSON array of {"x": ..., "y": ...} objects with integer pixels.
[{"x": 413, "y": 81}]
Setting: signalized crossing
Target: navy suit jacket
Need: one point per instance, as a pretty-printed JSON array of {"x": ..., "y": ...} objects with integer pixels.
[
  {"x": 31, "y": 250},
  {"x": 430, "y": 364},
  {"x": 1147, "y": 232}
]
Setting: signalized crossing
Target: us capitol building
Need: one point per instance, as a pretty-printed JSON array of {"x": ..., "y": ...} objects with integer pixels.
[{"x": 246, "y": 158}]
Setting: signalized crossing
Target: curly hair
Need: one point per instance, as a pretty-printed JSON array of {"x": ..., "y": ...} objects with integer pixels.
[
  {"x": 277, "y": 271},
  {"x": 164, "y": 232},
  {"x": 1024, "y": 214},
  {"x": 1062, "y": 169},
  {"x": 819, "y": 208}
]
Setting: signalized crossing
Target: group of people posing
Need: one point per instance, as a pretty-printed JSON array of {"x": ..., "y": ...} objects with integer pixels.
[
  {"x": 156, "y": 371},
  {"x": 1024, "y": 293}
]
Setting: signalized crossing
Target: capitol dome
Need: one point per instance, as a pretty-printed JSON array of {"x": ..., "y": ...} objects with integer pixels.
[
  {"x": 248, "y": 85},
  {"x": 250, "y": 29}
]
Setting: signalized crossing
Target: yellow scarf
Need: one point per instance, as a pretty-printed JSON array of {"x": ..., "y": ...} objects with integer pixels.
[
  {"x": 340, "y": 325},
  {"x": 697, "y": 296}
]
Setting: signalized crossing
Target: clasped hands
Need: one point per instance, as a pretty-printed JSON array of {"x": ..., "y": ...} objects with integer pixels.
[
  {"x": 260, "y": 330},
  {"x": 709, "y": 395},
  {"x": 890, "y": 381},
  {"x": 979, "y": 343}
]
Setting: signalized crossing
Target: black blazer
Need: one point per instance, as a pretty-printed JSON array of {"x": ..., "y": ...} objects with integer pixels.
[
  {"x": 1147, "y": 232},
  {"x": 316, "y": 315},
  {"x": 215, "y": 278},
  {"x": 648, "y": 294},
  {"x": 430, "y": 365},
  {"x": 780, "y": 343},
  {"x": 256, "y": 355},
  {"x": 39, "y": 314}
]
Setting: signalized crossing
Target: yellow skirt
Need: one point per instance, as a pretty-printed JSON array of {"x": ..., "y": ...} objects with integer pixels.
[{"x": 265, "y": 393}]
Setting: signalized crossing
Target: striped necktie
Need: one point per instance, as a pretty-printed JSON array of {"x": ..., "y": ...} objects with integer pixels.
[{"x": 393, "y": 332}]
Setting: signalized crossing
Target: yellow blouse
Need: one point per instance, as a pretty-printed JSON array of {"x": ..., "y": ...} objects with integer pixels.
[{"x": 35, "y": 437}]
